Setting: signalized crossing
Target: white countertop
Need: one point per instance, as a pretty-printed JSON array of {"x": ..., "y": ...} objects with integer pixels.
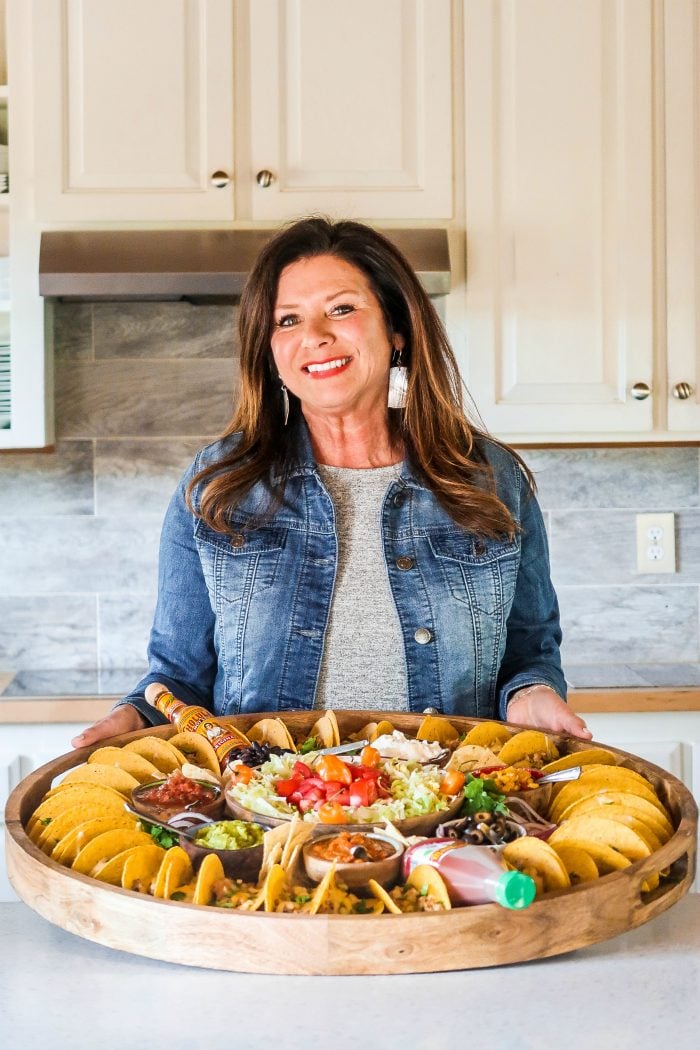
[{"x": 639, "y": 991}]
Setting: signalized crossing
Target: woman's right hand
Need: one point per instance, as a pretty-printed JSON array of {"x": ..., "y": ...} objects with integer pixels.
[{"x": 125, "y": 719}]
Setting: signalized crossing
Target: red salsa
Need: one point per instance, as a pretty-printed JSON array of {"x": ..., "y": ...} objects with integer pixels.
[
  {"x": 179, "y": 792},
  {"x": 352, "y": 848}
]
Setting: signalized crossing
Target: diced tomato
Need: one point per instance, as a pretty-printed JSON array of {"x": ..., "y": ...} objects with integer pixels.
[
  {"x": 366, "y": 773},
  {"x": 301, "y": 769},
  {"x": 359, "y": 793},
  {"x": 306, "y": 804},
  {"x": 286, "y": 787},
  {"x": 332, "y": 787}
]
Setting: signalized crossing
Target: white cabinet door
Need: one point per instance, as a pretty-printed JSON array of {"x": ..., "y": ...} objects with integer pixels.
[
  {"x": 559, "y": 216},
  {"x": 682, "y": 135},
  {"x": 23, "y": 748},
  {"x": 133, "y": 109},
  {"x": 351, "y": 108}
]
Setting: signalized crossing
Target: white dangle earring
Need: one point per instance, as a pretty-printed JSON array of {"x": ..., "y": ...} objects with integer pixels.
[
  {"x": 285, "y": 403},
  {"x": 398, "y": 381}
]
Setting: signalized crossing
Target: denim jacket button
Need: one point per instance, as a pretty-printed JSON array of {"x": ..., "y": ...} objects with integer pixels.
[
  {"x": 404, "y": 562},
  {"x": 237, "y": 539},
  {"x": 430, "y": 711},
  {"x": 479, "y": 548},
  {"x": 423, "y": 636},
  {"x": 399, "y": 499}
]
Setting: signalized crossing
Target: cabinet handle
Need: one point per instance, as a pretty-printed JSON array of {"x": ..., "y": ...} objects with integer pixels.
[
  {"x": 640, "y": 391},
  {"x": 220, "y": 179},
  {"x": 682, "y": 391},
  {"x": 265, "y": 178}
]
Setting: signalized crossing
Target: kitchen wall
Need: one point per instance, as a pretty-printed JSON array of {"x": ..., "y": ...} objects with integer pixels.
[{"x": 141, "y": 386}]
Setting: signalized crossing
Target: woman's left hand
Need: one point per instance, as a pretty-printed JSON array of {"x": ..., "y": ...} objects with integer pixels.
[{"x": 541, "y": 706}]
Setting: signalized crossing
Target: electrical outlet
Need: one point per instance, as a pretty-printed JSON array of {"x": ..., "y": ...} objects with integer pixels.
[{"x": 656, "y": 543}]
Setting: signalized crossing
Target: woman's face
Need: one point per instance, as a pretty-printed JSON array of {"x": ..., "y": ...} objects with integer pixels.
[{"x": 330, "y": 341}]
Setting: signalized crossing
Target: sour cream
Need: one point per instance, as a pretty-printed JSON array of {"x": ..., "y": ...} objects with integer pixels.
[{"x": 398, "y": 745}]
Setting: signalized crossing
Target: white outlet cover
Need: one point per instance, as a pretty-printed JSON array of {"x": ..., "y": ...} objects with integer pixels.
[{"x": 656, "y": 543}]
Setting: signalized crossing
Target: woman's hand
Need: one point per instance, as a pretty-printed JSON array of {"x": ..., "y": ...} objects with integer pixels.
[
  {"x": 124, "y": 719},
  {"x": 538, "y": 705}
]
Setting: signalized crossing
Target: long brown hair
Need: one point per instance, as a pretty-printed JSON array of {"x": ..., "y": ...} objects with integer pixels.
[{"x": 439, "y": 440}]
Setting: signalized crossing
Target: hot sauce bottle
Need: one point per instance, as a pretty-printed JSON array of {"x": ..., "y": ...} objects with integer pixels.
[
  {"x": 189, "y": 718},
  {"x": 472, "y": 874}
]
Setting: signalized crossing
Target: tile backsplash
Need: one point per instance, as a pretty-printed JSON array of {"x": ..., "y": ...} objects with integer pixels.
[{"x": 141, "y": 386}]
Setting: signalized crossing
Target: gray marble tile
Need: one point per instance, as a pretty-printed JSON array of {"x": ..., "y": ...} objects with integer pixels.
[
  {"x": 141, "y": 475},
  {"x": 125, "y": 624},
  {"x": 663, "y": 479},
  {"x": 59, "y": 482},
  {"x": 602, "y": 676},
  {"x": 118, "y": 681},
  {"x": 601, "y": 547},
  {"x": 72, "y": 331},
  {"x": 52, "y": 683},
  {"x": 630, "y": 625},
  {"x": 670, "y": 675},
  {"x": 63, "y": 555},
  {"x": 143, "y": 329},
  {"x": 45, "y": 632},
  {"x": 144, "y": 398}
]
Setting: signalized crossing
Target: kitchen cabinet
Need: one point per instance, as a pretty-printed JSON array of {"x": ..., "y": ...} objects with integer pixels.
[
  {"x": 23, "y": 748},
  {"x": 582, "y": 163},
  {"x": 340, "y": 110},
  {"x": 133, "y": 110},
  {"x": 26, "y": 416}
]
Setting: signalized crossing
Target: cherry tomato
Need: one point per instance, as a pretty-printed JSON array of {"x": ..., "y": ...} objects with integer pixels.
[
  {"x": 330, "y": 767},
  {"x": 241, "y": 774},
  {"x": 369, "y": 756},
  {"x": 332, "y": 812},
  {"x": 452, "y": 782}
]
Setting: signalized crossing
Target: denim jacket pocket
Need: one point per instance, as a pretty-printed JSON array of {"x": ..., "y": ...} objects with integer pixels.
[
  {"x": 240, "y": 564},
  {"x": 480, "y": 572}
]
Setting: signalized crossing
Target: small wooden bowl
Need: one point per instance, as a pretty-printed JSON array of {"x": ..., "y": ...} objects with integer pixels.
[
  {"x": 237, "y": 863},
  {"x": 356, "y": 875},
  {"x": 213, "y": 809}
]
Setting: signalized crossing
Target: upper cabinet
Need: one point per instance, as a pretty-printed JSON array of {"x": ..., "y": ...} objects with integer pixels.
[
  {"x": 345, "y": 110},
  {"x": 560, "y": 215},
  {"x": 134, "y": 110},
  {"x": 351, "y": 108}
]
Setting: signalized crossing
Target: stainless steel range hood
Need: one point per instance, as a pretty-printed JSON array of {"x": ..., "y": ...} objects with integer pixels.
[{"x": 190, "y": 264}]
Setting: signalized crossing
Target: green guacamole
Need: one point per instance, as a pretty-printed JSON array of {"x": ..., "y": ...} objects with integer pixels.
[{"x": 229, "y": 834}]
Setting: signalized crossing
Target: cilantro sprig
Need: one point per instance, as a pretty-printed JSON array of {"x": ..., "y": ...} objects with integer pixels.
[
  {"x": 161, "y": 836},
  {"x": 482, "y": 794}
]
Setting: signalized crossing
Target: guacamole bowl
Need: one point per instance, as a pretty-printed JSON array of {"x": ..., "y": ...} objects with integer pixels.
[{"x": 237, "y": 844}]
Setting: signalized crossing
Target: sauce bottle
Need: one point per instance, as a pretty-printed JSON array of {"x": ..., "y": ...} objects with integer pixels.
[
  {"x": 189, "y": 718},
  {"x": 472, "y": 874}
]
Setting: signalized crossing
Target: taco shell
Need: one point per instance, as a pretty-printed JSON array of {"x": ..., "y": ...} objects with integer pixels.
[
  {"x": 141, "y": 867},
  {"x": 322, "y": 730},
  {"x": 538, "y": 859},
  {"x": 196, "y": 749},
  {"x": 105, "y": 846},
  {"x": 384, "y": 728},
  {"x": 275, "y": 887},
  {"x": 605, "y": 858},
  {"x": 160, "y": 753},
  {"x": 579, "y": 864},
  {"x": 610, "y": 833},
  {"x": 105, "y": 800},
  {"x": 632, "y": 804},
  {"x": 107, "y": 776},
  {"x": 589, "y": 756},
  {"x": 73, "y": 829},
  {"x": 272, "y": 731},
  {"x": 429, "y": 882},
  {"x": 111, "y": 871},
  {"x": 175, "y": 871},
  {"x": 602, "y": 779},
  {"x": 438, "y": 730},
  {"x": 136, "y": 765},
  {"x": 531, "y": 747},
  {"x": 330, "y": 715},
  {"x": 630, "y": 820},
  {"x": 468, "y": 757},
  {"x": 489, "y": 734},
  {"x": 210, "y": 871}
]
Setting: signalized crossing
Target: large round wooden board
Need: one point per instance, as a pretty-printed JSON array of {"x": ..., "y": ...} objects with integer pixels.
[{"x": 464, "y": 938}]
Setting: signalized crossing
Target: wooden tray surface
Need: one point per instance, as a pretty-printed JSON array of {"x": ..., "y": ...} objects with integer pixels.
[{"x": 464, "y": 938}]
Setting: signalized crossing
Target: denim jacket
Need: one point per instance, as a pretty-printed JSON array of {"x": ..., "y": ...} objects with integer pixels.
[{"x": 241, "y": 618}]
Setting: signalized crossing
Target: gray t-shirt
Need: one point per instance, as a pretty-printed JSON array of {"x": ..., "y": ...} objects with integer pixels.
[{"x": 363, "y": 661}]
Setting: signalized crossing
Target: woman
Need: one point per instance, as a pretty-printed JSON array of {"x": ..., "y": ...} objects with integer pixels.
[{"x": 330, "y": 550}]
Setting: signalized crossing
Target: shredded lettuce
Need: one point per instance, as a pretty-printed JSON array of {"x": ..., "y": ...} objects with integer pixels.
[{"x": 415, "y": 791}]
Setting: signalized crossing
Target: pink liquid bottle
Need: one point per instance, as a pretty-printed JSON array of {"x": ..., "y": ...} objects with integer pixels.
[{"x": 472, "y": 874}]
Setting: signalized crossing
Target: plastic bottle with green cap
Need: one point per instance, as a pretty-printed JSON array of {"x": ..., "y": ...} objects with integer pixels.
[{"x": 472, "y": 874}]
